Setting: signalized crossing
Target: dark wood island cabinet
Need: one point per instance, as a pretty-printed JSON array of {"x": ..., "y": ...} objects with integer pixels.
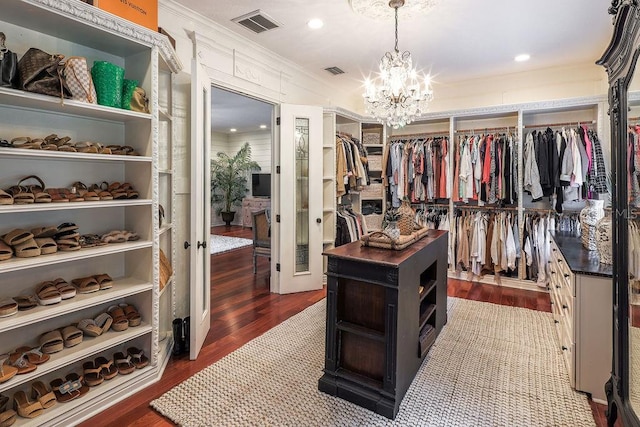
[{"x": 385, "y": 309}]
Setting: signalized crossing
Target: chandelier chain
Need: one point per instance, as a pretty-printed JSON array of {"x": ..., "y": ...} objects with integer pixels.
[{"x": 396, "y": 29}]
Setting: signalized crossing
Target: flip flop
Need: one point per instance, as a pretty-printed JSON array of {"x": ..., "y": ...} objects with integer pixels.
[
  {"x": 5, "y": 251},
  {"x": 92, "y": 374},
  {"x": 5, "y": 198},
  {"x": 17, "y": 360},
  {"x": 65, "y": 391},
  {"x": 51, "y": 342},
  {"x": 27, "y": 249},
  {"x": 123, "y": 363},
  {"x": 47, "y": 245},
  {"x": 33, "y": 355},
  {"x": 109, "y": 369},
  {"x": 137, "y": 357},
  {"x": 17, "y": 236},
  {"x": 6, "y": 371},
  {"x": 77, "y": 380}
]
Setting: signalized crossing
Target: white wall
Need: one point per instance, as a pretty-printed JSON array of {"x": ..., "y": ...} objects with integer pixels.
[{"x": 260, "y": 143}]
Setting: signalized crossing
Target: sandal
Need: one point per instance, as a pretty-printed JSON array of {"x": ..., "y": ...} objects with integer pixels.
[
  {"x": 26, "y": 302},
  {"x": 114, "y": 236},
  {"x": 86, "y": 285},
  {"x": 76, "y": 381},
  {"x": 71, "y": 336},
  {"x": 33, "y": 355},
  {"x": 48, "y": 294},
  {"x": 123, "y": 363},
  {"x": 120, "y": 321},
  {"x": 17, "y": 360},
  {"x": 51, "y": 342},
  {"x": 47, "y": 231},
  {"x": 92, "y": 374},
  {"x": 5, "y": 198},
  {"x": 8, "y": 307},
  {"x": 102, "y": 191},
  {"x": 108, "y": 369},
  {"x": 7, "y": 416},
  {"x": 131, "y": 236},
  {"x": 96, "y": 327},
  {"x": 66, "y": 290},
  {"x": 25, "y": 407},
  {"x": 104, "y": 280},
  {"x": 21, "y": 195},
  {"x": 47, "y": 245},
  {"x": 65, "y": 391},
  {"x": 137, "y": 357},
  {"x": 39, "y": 194},
  {"x": 42, "y": 394},
  {"x": 90, "y": 240},
  {"x": 27, "y": 249},
  {"x": 67, "y": 245},
  {"x": 5, "y": 251},
  {"x": 6, "y": 371},
  {"x": 17, "y": 236},
  {"x": 117, "y": 191},
  {"x": 131, "y": 314},
  {"x": 58, "y": 195},
  {"x": 81, "y": 190}
]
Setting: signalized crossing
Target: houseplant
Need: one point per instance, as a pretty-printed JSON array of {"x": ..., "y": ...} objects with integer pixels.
[{"x": 229, "y": 177}]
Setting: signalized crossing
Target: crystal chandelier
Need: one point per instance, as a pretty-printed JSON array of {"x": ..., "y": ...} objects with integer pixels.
[{"x": 397, "y": 97}]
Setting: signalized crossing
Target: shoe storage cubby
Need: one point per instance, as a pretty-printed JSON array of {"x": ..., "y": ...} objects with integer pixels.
[
  {"x": 140, "y": 165},
  {"x": 428, "y": 306}
]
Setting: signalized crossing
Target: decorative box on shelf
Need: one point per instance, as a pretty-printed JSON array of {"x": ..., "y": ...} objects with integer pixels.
[
  {"x": 141, "y": 12},
  {"x": 372, "y": 136}
]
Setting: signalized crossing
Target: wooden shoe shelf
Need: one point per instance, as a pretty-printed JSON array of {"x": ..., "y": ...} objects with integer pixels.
[{"x": 74, "y": 28}]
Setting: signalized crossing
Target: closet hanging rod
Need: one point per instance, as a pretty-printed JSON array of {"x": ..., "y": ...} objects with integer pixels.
[
  {"x": 539, "y": 210},
  {"x": 443, "y": 134},
  {"x": 555, "y": 125},
  {"x": 348, "y": 135},
  {"x": 486, "y": 208},
  {"x": 633, "y": 119},
  {"x": 487, "y": 130}
]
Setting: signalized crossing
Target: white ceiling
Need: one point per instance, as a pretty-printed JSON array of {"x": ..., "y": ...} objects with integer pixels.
[
  {"x": 230, "y": 110},
  {"x": 457, "y": 40}
]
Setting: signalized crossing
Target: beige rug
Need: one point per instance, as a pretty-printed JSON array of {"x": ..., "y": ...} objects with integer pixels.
[{"x": 491, "y": 366}]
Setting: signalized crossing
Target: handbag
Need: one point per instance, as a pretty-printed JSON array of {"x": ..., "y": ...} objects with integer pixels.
[
  {"x": 8, "y": 65},
  {"x": 128, "y": 87},
  {"x": 40, "y": 72},
  {"x": 108, "y": 79},
  {"x": 139, "y": 100},
  {"x": 78, "y": 79}
]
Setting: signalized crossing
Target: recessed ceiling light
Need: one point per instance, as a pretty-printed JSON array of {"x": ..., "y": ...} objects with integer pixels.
[
  {"x": 233, "y": 130},
  {"x": 315, "y": 23},
  {"x": 263, "y": 126},
  {"x": 523, "y": 57}
]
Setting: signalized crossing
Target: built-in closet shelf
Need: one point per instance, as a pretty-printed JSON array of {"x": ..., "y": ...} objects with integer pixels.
[
  {"x": 328, "y": 242},
  {"x": 165, "y": 228},
  {"x": 122, "y": 288},
  {"x": 361, "y": 331},
  {"x": 373, "y": 145},
  {"x": 104, "y": 389},
  {"x": 327, "y": 178},
  {"x": 332, "y": 147},
  {"x": 328, "y": 210},
  {"x": 428, "y": 312},
  {"x": 81, "y": 352},
  {"x": 64, "y": 155},
  {"x": 164, "y": 115},
  {"x": 165, "y": 346},
  {"x": 15, "y": 264},
  {"x": 427, "y": 288},
  {"x": 44, "y": 207},
  {"x": 18, "y": 98},
  {"x": 166, "y": 172},
  {"x": 167, "y": 286}
]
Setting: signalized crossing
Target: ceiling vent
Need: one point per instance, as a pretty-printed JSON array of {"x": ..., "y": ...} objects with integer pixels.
[
  {"x": 334, "y": 70},
  {"x": 257, "y": 21}
]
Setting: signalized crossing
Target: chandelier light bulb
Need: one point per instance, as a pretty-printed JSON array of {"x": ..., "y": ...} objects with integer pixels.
[{"x": 397, "y": 97}]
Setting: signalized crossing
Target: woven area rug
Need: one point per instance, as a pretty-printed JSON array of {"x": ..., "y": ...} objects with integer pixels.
[
  {"x": 225, "y": 243},
  {"x": 491, "y": 366}
]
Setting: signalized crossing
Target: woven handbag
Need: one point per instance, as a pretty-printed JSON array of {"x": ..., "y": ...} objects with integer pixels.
[
  {"x": 8, "y": 65},
  {"x": 407, "y": 218},
  {"x": 41, "y": 72},
  {"x": 128, "y": 87},
  {"x": 79, "y": 81}
]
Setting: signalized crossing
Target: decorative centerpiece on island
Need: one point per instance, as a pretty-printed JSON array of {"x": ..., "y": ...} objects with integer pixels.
[
  {"x": 391, "y": 218},
  {"x": 589, "y": 217}
]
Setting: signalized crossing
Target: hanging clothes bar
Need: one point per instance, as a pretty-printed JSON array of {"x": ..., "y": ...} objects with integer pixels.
[{"x": 557, "y": 125}]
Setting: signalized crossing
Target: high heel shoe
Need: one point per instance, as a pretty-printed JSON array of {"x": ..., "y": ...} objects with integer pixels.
[
  {"x": 7, "y": 416},
  {"x": 25, "y": 407}
]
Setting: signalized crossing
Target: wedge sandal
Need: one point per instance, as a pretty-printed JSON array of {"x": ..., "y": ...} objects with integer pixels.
[
  {"x": 25, "y": 407},
  {"x": 86, "y": 285},
  {"x": 65, "y": 391},
  {"x": 120, "y": 322},
  {"x": 51, "y": 342},
  {"x": 132, "y": 315},
  {"x": 43, "y": 394},
  {"x": 8, "y": 307},
  {"x": 47, "y": 245},
  {"x": 96, "y": 327},
  {"x": 71, "y": 336},
  {"x": 108, "y": 368},
  {"x": 104, "y": 280},
  {"x": 123, "y": 363},
  {"x": 7, "y": 415}
]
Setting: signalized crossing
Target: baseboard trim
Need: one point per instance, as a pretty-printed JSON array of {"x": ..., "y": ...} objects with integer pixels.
[{"x": 490, "y": 279}]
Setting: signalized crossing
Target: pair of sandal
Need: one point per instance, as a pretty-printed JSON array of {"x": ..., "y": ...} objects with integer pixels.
[
  {"x": 7, "y": 415},
  {"x": 25, "y": 193},
  {"x": 67, "y": 238},
  {"x": 120, "y": 236},
  {"x": 124, "y": 316},
  {"x": 24, "y": 359},
  {"x": 134, "y": 359},
  {"x": 8, "y": 307},
  {"x": 56, "y": 340},
  {"x": 54, "y": 291},
  {"x": 90, "y": 284},
  {"x": 97, "y": 371},
  {"x": 70, "y": 389},
  {"x": 96, "y": 327},
  {"x": 23, "y": 244}
]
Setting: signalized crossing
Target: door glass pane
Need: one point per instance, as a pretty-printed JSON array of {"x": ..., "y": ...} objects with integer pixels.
[
  {"x": 302, "y": 195},
  {"x": 204, "y": 197}
]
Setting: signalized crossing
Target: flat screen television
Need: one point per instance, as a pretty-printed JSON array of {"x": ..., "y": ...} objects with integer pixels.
[{"x": 261, "y": 185}]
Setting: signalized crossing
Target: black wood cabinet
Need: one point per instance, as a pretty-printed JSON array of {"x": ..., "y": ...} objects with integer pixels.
[{"x": 385, "y": 309}]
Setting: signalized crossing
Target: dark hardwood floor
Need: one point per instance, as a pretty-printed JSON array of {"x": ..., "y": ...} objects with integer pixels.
[{"x": 242, "y": 308}]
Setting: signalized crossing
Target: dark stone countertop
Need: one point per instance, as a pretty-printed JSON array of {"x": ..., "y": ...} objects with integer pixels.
[{"x": 580, "y": 260}]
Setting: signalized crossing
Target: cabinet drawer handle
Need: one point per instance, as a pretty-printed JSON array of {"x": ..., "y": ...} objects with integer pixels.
[
  {"x": 553, "y": 249},
  {"x": 564, "y": 306},
  {"x": 553, "y": 272},
  {"x": 566, "y": 275},
  {"x": 557, "y": 286},
  {"x": 186, "y": 245},
  {"x": 564, "y": 348},
  {"x": 556, "y": 321}
]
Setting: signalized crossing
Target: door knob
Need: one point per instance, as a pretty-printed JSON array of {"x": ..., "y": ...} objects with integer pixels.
[
  {"x": 318, "y": 220},
  {"x": 186, "y": 245},
  {"x": 202, "y": 245}
]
